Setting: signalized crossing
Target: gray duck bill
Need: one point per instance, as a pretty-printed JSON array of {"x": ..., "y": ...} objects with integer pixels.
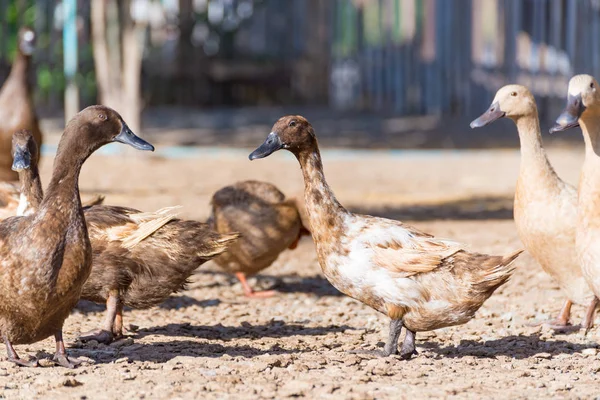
[
  {"x": 492, "y": 114},
  {"x": 126, "y": 136},
  {"x": 569, "y": 118},
  {"x": 270, "y": 146},
  {"x": 21, "y": 159}
]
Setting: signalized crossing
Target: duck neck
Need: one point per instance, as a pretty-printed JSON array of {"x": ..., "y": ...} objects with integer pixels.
[
  {"x": 325, "y": 213},
  {"x": 534, "y": 162},
  {"x": 20, "y": 69},
  {"x": 63, "y": 190},
  {"x": 31, "y": 191},
  {"x": 589, "y": 183}
]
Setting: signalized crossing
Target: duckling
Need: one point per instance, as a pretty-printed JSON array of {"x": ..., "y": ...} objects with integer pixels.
[
  {"x": 541, "y": 193},
  {"x": 267, "y": 221},
  {"x": 138, "y": 259},
  {"x": 583, "y": 109},
  {"x": 47, "y": 256},
  {"x": 17, "y": 110},
  {"x": 422, "y": 283}
]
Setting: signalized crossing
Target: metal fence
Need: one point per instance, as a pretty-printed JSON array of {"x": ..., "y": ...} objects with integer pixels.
[{"x": 397, "y": 57}]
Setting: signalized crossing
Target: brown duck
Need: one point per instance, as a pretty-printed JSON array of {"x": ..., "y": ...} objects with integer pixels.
[
  {"x": 47, "y": 256},
  {"x": 267, "y": 221},
  {"x": 138, "y": 259},
  {"x": 16, "y": 103},
  {"x": 421, "y": 282}
]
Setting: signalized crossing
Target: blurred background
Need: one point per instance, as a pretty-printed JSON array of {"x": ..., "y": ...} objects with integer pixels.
[{"x": 367, "y": 73}]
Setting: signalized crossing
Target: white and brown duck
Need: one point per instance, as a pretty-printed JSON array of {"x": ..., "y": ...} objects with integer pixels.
[
  {"x": 17, "y": 110},
  {"x": 583, "y": 109},
  {"x": 268, "y": 224},
  {"x": 47, "y": 256},
  {"x": 545, "y": 207},
  {"x": 138, "y": 259},
  {"x": 420, "y": 282}
]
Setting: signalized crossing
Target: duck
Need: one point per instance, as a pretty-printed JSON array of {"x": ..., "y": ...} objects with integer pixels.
[
  {"x": 583, "y": 109},
  {"x": 47, "y": 256},
  {"x": 13, "y": 196},
  {"x": 138, "y": 258},
  {"x": 541, "y": 193},
  {"x": 17, "y": 110},
  {"x": 267, "y": 222},
  {"x": 419, "y": 281}
]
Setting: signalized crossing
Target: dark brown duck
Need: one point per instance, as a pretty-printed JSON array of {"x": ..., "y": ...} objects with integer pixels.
[
  {"x": 46, "y": 257},
  {"x": 267, "y": 221},
  {"x": 16, "y": 103},
  {"x": 138, "y": 259}
]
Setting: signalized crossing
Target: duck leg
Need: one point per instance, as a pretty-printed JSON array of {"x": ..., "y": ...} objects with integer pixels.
[
  {"x": 14, "y": 357},
  {"x": 588, "y": 322},
  {"x": 117, "y": 328},
  {"x": 60, "y": 357},
  {"x": 408, "y": 346},
  {"x": 248, "y": 290},
  {"x": 105, "y": 334},
  {"x": 562, "y": 321},
  {"x": 391, "y": 346}
]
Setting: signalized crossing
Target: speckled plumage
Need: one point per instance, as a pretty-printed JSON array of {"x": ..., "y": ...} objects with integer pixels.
[{"x": 423, "y": 282}]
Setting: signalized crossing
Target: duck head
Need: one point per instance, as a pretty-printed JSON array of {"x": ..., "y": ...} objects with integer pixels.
[
  {"x": 293, "y": 133},
  {"x": 511, "y": 101},
  {"x": 583, "y": 100},
  {"x": 26, "y": 41},
  {"x": 24, "y": 150},
  {"x": 96, "y": 126}
]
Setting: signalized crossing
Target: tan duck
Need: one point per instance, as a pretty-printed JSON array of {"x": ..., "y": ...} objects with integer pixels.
[
  {"x": 47, "y": 256},
  {"x": 17, "y": 110},
  {"x": 583, "y": 109},
  {"x": 545, "y": 207},
  {"x": 267, "y": 221},
  {"x": 138, "y": 259},
  {"x": 419, "y": 281}
]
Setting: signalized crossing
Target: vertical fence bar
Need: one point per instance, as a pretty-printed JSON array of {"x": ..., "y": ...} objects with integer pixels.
[{"x": 70, "y": 58}]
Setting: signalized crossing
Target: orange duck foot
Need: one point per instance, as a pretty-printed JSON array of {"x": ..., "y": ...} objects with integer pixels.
[
  {"x": 248, "y": 292},
  {"x": 99, "y": 335}
]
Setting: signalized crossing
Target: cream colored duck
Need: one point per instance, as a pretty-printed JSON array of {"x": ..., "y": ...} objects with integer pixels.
[
  {"x": 545, "y": 207},
  {"x": 583, "y": 108},
  {"x": 419, "y": 281}
]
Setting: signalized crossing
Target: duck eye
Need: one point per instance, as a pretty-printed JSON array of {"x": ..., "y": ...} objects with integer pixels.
[
  {"x": 514, "y": 94},
  {"x": 592, "y": 85},
  {"x": 292, "y": 123},
  {"x": 102, "y": 117}
]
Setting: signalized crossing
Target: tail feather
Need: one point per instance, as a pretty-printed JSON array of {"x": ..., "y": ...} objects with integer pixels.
[
  {"x": 499, "y": 274},
  {"x": 94, "y": 201},
  {"x": 221, "y": 244},
  {"x": 148, "y": 223}
]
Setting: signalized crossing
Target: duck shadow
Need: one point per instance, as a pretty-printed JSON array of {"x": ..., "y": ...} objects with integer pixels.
[
  {"x": 164, "y": 351},
  {"x": 273, "y": 329},
  {"x": 289, "y": 283},
  {"x": 514, "y": 346},
  {"x": 472, "y": 208}
]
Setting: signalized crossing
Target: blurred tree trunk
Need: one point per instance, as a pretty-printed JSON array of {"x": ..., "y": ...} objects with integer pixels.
[{"x": 118, "y": 45}]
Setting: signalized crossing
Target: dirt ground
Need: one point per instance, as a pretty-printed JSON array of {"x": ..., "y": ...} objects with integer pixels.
[{"x": 211, "y": 342}]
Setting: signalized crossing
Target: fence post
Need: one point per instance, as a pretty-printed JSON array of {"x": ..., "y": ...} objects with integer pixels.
[{"x": 70, "y": 58}]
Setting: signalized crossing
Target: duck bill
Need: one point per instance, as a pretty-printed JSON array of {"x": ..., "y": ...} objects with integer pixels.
[
  {"x": 569, "y": 118},
  {"x": 270, "y": 146},
  {"x": 492, "y": 114},
  {"x": 126, "y": 136},
  {"x": 21, "y": 159}
]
